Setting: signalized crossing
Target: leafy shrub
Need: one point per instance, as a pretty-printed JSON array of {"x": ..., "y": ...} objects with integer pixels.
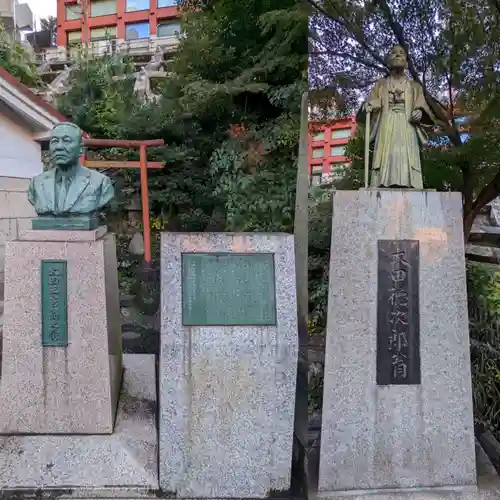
[{"x": 483, "y": 282}]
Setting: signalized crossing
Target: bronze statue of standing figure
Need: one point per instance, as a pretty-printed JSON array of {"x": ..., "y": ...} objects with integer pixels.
[{"x": 399, "y": 114}]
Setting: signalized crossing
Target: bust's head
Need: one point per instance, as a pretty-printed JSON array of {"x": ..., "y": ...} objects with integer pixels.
[
  {"x": 66, "y": 144},
  {"x": 396, "y": 59}
]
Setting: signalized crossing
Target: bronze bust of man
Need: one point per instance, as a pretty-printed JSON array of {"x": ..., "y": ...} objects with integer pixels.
[{"x": 69, "y": 190}]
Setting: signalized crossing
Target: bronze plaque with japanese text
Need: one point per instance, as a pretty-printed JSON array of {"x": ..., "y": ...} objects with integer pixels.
[
  {"x": 54, "y": 274},
  {"x": 221, "y": 289},
  {"x": 398, "y": 336}
]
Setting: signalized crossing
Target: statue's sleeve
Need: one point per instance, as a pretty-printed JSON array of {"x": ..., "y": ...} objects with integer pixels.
[
  {"x": 375, "y": 98},
  {"x": 107, "y": 191},
  {"x": 31, "y": 192},
  {"x": 428, "y": 117}
]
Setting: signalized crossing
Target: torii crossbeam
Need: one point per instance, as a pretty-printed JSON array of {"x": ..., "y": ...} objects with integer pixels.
[{"x": 142, "y": 164}]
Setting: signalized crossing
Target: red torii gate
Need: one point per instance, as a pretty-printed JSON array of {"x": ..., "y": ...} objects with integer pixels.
[{"x": 142, "y": 164}]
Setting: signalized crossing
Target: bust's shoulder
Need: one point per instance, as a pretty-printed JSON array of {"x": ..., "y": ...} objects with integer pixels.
[
  {"x": 43, "y": 176},
  {"x": 94, "y": 175}
]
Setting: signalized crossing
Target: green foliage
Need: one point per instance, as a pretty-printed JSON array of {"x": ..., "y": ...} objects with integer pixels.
[
  {"x": 484, "y": 312},
  {"x": 243, "y": 64},
  {"x": 101, "y": 97},
  {"x": 257, "y": 173},
  {"x": 228, "y": 113},
  {"x": 49, "y": 24},
  {"x": 16, "y": 60},
  {"x": 320, "y": 223}
]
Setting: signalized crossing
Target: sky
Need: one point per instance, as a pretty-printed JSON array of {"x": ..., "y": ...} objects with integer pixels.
[{"x": 41, "y": 8}]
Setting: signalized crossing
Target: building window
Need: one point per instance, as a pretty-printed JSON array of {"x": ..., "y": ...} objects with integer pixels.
[
  {"x": 316, "y": 174},
  {"x": 167, "y": 3},
  {"x": 341, "y": 133},
  {"x": 168, "y": 28},
  {"x": 74, "y": 37},
  {"x": 133, "y": 5},
  {"x": 318, "y": 152},
  {"x": 103, "y": 33},
  {"x": 102, "y": 8},
  {"x": 318, "y": 136},
  {"x": 103, "y": 40},
  {"x": 136, "y": 31},
  {"x": 74, "y": 43},
  {"x": 337, "y": 151},
  {"x": 73, "y": 12}
]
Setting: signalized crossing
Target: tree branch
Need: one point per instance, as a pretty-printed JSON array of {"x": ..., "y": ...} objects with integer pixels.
[
  {"x": 357, "y": 36},
  {"x": 486, "y": 195},
  {"x": 352, "y": 57},
  {"x": 495, "y": 4},
  {"x": 400, "y": 37}
]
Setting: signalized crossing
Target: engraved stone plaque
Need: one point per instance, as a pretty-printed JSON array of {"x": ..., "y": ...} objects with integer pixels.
[
  {"x": 54, "y": 275},
  {"x": 398, "y": 336},
  {"x": 227, "y": 289}
]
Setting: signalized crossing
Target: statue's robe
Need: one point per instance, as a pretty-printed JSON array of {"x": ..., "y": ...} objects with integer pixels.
[{"x": 396, "y": 155}]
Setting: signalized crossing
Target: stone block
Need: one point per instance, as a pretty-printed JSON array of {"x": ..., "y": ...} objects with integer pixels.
[
  {"x": 63, "y": 236},
  {"x": 60, "y": 390},
  {"x": 14, "y": 204},
  {"x": 14, "y": 184},
  {"x": 488, "y": 488},
  {"x": 396, "y": 436},
  {"x": 227, "y": 393},
  {"x": 121, "y": 465}
]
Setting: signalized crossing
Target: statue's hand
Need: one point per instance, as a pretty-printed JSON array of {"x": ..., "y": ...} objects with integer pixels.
[
  {"x": 373, "y": 105},
  {"x": 416, "y": 116},
  {"x": 368, "y": 107}
]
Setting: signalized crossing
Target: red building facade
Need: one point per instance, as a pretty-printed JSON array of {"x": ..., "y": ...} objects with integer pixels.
[
  {"x": 327, "y": 143},
  {"x": 81, "y": 21}
]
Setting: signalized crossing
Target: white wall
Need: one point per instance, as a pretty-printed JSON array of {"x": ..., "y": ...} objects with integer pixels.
[
  {"x": 20, "y": 160},
  {"x": 20, "y": 155}
]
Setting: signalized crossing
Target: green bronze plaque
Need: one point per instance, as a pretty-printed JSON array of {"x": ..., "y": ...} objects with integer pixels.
[
  {"x": 222, "y": 289},
  {"x": 54, "y": 303},
  {"x": 85, "y": 222}
]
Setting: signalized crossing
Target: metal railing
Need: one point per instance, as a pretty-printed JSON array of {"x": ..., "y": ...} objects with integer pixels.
[{"x": 101, "y": 47}]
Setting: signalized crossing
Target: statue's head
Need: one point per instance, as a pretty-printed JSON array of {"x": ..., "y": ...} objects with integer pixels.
[
  {"x": 396, "y": 59},
  {"x": 66, "y": 145}
]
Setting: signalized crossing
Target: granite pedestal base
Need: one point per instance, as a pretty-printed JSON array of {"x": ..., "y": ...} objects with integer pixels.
[
  {"x": 70, "y": 386},
  {"x": 227, "y": 393},
  {"x": 488, "y": 488},
  {"x": 396, "y": 436},
  {"x": 123, "y": 464}
]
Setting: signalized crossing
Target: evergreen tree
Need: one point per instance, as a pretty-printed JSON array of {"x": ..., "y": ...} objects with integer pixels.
[
  {"x": 15, "y": 59},
  {"x": 229, "y": 113}
]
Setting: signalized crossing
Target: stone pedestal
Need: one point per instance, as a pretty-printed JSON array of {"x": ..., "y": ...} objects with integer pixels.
[
  {"x": 120, "y": 465},
  {"x": 396, "y": 437},
  {"x": 60, "y": 384},
  {"x": 227, "y": 391}
]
